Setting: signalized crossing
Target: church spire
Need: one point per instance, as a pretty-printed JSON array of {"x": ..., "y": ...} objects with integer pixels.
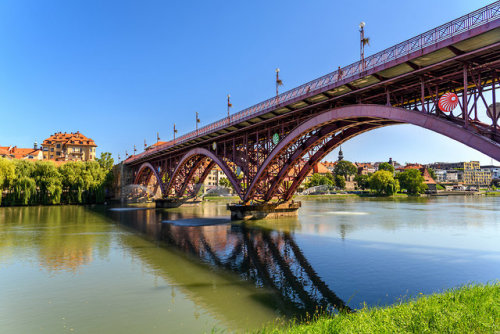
[{"x": 341, "y": 155}]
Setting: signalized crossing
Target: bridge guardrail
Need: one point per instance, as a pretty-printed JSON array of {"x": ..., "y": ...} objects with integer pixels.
[{"x": 462, "y": 24}]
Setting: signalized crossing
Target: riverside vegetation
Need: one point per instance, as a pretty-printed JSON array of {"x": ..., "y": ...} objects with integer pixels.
[
  {"x": 382, "y": 182},
  {"x": 468, "y": 309},
  {"x": 25, "y": 182}
]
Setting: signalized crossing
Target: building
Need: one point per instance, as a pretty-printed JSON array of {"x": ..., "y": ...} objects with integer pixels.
[
  {"x": 330, "y": 165},
  {"x": 473, "y": 175},
  {"x": 494, "y": 170},
  {"x": 62, "y": 146},
  {"x": 440, "y": 175},
  {"x": 214, "y": 177},
  {"x": 365, "y": 168},
  {"x": 446, "y": 165},
  {"x": 14, "y": 152}
]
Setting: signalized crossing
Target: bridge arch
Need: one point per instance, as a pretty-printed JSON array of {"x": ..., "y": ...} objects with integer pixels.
[
  {"x": 362, "y": 118},
  {"x": 141, "y": 173},
  {"x": 201, "y": 155}
]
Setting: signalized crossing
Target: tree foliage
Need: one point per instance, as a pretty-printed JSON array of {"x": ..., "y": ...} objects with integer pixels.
[
  {"x": 340, "y": 181},
  {"x": 432, "y": 173},
  {"x": 386, "y": 166},
  {"x": 27, "y": 182},
  {"x": 413, "y": 181},
  {"x": 383, "y": 183},
  {"x": 224, "y": 182},
  {"x": 320, "y": 180},
  {"x": 345, "y": 168},
  {"x": 362, "y": 181}
]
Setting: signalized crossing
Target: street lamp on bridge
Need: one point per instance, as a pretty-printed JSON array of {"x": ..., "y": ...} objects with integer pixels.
[
  {"x": 363, "y": 41},
  {"x": 197, "y": 121},
  {"x": 229, "y": 105},
  {"x": 175, "y": 131},
  {"x": 278, "y": 81}
]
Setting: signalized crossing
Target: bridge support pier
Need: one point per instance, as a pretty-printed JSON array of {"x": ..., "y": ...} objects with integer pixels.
[
  {"x": 265, "y": 210},
  {"x": 167, "y": 203}
]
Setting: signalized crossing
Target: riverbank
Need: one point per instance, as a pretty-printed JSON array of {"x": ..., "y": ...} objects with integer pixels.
[{"x": 469, "y": 309}]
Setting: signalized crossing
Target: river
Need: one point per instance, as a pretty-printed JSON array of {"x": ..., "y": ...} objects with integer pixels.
[{"x": 75, "y": 269}]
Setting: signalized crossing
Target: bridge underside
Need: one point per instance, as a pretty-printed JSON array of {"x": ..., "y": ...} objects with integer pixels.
[
  {"x": 261, "y": 170},
  {"x": 267, "y": 150}
]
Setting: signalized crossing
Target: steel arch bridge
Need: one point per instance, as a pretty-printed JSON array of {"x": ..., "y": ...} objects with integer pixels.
[{"x": 267, "y": 150}]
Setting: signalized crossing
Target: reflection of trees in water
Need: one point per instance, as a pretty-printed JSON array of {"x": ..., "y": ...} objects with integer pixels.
[
  {"x": 269, "y": 258},
  {"x": 64, "y": 238}
]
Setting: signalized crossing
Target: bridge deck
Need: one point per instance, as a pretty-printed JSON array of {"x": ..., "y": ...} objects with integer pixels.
[{"x": 441, "y": 50}]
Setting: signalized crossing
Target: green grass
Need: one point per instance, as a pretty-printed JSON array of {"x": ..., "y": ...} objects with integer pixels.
[
  {"x": 492, "y": 193},
  {"x": 469, "y": 309}
]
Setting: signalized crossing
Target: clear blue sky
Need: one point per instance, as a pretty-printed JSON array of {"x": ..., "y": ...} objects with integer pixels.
[{"x": 120, "y": 71}]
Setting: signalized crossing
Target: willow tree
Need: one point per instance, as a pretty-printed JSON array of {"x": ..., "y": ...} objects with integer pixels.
[
  {"x": 7, "y": 174},
  {"x": 23, "y": 187},
  {"x": 72, "y": 181},
  {"x": 48, "y": 181}
]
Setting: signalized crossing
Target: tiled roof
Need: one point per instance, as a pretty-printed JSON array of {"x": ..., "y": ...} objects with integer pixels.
[
  {"x": 321, "y": 169},
  {"x": 18, "y": 153},
  {"x": 69, "y": 138}
]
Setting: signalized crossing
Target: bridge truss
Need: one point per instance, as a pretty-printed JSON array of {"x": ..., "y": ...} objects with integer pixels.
[{"x": 267, "y": 150}]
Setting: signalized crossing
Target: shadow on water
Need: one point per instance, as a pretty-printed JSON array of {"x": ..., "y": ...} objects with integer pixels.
[{"x": 270, "y": 258}]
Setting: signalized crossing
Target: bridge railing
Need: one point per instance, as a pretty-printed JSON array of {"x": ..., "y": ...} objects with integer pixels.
[{"x": 462, "y": 24}]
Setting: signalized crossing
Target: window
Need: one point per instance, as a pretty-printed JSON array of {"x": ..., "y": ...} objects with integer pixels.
[
  {"x": 52, "y": 156},
  {"x": 58, "y": 153},
  {"x": 58, "y": 146},
  {"x": 51, "y": 149}
]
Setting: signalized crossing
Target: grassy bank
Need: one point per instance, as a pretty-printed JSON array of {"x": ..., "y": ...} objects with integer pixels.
[{"x": 469, "y": 309}]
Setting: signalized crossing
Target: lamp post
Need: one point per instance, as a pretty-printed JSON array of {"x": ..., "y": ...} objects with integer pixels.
[
  {"x": 229, "y": 105},
  {"x": 363, "y": 41},
  {"x": 278, "y": 81},
  {"x": 197, "y": 121},
  {"x": 175, "y": 131}
]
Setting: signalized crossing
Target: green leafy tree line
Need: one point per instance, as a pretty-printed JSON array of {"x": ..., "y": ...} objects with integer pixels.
[{"x": 25, "y": 182}]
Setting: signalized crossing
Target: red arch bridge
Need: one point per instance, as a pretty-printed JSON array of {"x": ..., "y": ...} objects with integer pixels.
[{"x": 267, "y": 150}]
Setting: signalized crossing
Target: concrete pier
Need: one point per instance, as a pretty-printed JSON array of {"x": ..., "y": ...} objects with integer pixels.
[
  {"x": 166, "y": 203},
  {"x": 261, "y": 211}
]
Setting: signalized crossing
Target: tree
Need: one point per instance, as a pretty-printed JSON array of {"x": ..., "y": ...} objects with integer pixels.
[
  {"x": 386, "y": 166},
  {"x": 24, "y": 189},
  {"x": 432, "y": 173},
  {"x": 48, "y": 181},
  {"x": 345, "y": 168},
  {"x": 362, "y": 181},
  {"x": 319, "y": 180},
  {"x": 413, "y": 181},
  {"x": 340, "y": 181},
  {"x": 7, "y": 174},
  {"x": 106, "y": 161},
  {"x": 224, "y": 182},
  {"x": 383, "y": 182}
]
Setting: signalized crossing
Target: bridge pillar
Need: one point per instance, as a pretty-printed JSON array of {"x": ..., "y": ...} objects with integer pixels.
[
  {"x": 167, "y": 203},
  {"x": 263, "y": 210}
]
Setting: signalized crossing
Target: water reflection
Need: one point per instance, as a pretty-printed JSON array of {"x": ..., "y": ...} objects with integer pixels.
[
  {"x": 269, "y": 258},
  {"x": 56, "y": 250}
]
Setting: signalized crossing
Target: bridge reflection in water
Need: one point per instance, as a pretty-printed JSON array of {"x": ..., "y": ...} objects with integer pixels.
[{"x": 269, "y": 258}]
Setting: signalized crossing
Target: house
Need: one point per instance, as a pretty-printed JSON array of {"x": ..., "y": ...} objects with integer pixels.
[
  {"x": 69, "y": 147},
  {"x": 365, "y": 168},
  {"x": 14, "y": 152}
]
